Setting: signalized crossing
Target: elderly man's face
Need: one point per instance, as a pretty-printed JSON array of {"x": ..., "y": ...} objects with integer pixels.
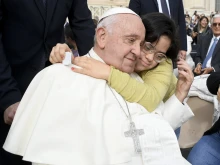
[
  {"x": 216, "y": 26},
  {"x": 123, "y": 45}
]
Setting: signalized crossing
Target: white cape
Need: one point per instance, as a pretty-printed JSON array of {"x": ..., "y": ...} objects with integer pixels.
[{"x": 67, "y": 118}]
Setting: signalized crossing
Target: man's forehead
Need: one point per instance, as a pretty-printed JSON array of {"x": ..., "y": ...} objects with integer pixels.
[
  {"x": 132, "y": 28},
  {"x": 217, "y": 19}
]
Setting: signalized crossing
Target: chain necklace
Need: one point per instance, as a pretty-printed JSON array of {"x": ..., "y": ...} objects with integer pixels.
[{"x": 132, "y": 132}]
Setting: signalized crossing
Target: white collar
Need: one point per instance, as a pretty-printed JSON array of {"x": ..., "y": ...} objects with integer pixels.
[
  {"x": 215, "y": 37},
  {"x": 94, "y": 55}
]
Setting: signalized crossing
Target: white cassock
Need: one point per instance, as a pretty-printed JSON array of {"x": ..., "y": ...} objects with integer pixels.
[{"x": 67, "y": 118}]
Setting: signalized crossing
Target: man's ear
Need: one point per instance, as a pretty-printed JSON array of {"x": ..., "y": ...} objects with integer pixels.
[{"x": 101, "y": 37}]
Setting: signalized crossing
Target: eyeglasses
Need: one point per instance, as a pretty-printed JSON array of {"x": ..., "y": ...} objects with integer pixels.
[
  {"x": 215, "y": 24},
  {"x": 148, "y": 48}
]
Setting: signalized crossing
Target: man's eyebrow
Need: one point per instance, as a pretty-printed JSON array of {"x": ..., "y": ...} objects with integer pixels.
[{"x": 132, "y": 35}]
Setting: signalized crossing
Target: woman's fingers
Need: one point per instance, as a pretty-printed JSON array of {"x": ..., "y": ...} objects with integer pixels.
[
  {"x": 80, "y": 70},
  {"x": 83, "y": 62}
]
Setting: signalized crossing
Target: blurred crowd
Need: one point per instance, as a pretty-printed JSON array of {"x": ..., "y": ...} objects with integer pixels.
[{"x": 198, "y": 24}]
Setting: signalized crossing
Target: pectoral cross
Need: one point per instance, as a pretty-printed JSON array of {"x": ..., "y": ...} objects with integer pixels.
[{"x": 134, "y": 134}]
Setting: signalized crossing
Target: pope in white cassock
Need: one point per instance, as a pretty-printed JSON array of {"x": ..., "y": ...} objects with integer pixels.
[{"x": 66, "y": 118}]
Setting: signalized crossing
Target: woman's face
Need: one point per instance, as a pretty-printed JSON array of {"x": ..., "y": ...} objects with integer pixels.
[
  {"x": 147, "y": 60},
  {"x": 204, "y": 23}
]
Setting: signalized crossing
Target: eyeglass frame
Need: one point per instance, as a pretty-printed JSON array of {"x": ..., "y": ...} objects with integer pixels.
[
  {"x": 153, "y": 51},
  {"x": 215, "y": 24}
]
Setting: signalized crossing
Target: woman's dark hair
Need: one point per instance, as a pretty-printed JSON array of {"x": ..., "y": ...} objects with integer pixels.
[{"x": 157, "y": 25}]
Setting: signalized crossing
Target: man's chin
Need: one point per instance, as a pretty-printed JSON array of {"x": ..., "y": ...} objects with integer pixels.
[
  {"x": 136, "y": 70},
  {"x": 128, "y": 70}
]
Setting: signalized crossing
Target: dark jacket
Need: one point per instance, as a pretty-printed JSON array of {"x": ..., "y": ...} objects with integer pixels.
[
  {"x": 213, "y": 82},
  {"x": 27, "y": 36},
  {"x": 195, "y": 29},
  {"x": 202, "y": 50},
  {"x": 142, "y": 7}
]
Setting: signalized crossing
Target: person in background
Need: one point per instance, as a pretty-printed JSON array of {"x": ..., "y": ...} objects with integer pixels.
[
  {"x": 187, "y": 14},
  {"x": 202, "y": 15},
  {"x": 194, "y": 16},
  {"x": 212, "y": 15},
  {"x": 206, "y": 151},
  {"x": 188, "y": 19},
  {"x": 207, "y": 59},
  {"x": 28, "y": 31},
  {"x": 200, "y": 29},
  {"x": 195, "y": 21},
  {"x": 188, "y": 31},
  {"x": 189, "y": 59}
]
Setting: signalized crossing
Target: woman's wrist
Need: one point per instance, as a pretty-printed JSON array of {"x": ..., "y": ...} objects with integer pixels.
[{"x": 107, "y": 72}]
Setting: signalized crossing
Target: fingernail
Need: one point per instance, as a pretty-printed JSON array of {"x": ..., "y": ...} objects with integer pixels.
[{"x": 72, "y": 68}]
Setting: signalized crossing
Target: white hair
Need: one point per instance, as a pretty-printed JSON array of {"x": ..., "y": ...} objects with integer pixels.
[
  {"x": 108, "y": 23},
  {"x": 215, "y": 16}
]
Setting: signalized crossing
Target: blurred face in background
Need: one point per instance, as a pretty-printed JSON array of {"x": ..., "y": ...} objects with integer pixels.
[
  {"x": 204, "y": 22},
  {"x": 216, "y": 26}
]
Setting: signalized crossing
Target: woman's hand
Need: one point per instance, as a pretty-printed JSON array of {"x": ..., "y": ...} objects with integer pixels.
[
  {"x": 185, "y": 80},
  {"x": 91, "y": 67}
]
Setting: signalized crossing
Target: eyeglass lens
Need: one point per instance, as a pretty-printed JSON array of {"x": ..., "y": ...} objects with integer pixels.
[{"x": 215, "y": 24}]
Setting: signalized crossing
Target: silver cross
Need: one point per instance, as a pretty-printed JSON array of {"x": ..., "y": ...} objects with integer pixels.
[{"x": 134, "y": 134}]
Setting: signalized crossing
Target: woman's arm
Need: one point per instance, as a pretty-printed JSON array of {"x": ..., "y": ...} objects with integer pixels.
[{"x": 149, "y": 94}]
